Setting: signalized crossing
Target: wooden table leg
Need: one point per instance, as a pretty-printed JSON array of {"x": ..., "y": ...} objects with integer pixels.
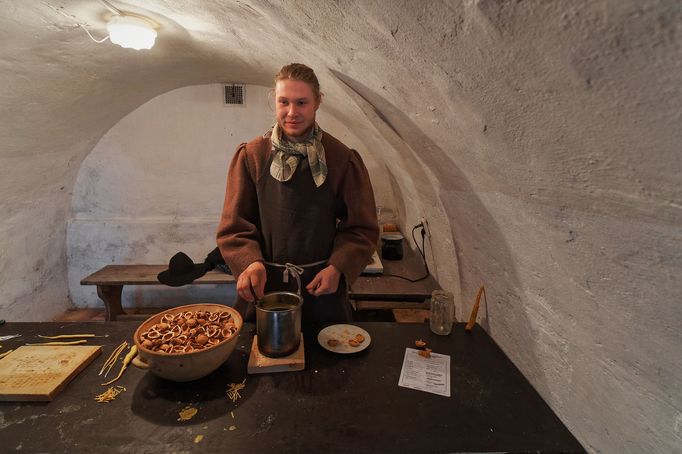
[{"x": 111, "y": 295}]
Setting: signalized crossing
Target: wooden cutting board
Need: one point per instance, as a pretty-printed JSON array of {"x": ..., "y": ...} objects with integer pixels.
[
  {"x": 261, "y": 364},
  {"x": 39, "y": 372}
]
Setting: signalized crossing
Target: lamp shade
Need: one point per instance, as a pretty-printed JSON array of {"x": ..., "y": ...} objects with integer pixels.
[{"x": 131, "y": 32}]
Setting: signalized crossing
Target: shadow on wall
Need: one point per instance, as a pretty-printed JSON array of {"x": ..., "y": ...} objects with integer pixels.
[
  {"x": 400, "y": 206},
  {"x": 483, "y": 254}
]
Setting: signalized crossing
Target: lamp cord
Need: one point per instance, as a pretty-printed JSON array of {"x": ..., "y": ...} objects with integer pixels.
[
  {"x": 98, "y": 42},
  {"x": 422, "y": 253},
  {"x": 73, "y": 18}
]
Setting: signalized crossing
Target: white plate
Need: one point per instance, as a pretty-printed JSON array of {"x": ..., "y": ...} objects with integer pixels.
[{"x": 343, "y": 333}]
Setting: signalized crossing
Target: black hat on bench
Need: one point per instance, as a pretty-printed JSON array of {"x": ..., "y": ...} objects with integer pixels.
[{"x": 181, "y": 270}]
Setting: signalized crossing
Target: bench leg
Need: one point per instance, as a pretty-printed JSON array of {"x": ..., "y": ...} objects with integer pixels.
[{"x": 111, "y": 295}]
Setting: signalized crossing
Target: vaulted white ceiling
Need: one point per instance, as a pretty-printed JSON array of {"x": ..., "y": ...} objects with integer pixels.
[{"x": 542, "y": 140}]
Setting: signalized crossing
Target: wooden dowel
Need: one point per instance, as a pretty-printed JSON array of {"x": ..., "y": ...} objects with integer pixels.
[{"x": 474, "y": 310}]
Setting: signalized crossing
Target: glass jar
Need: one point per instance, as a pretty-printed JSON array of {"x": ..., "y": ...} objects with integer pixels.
[{"x": 442, "y": 312}]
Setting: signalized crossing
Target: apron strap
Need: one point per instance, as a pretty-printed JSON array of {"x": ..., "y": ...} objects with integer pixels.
[{"x": 294, "y": 270}]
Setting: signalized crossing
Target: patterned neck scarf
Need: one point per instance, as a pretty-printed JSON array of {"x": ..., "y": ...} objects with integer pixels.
[{"x": 287, "y": 155}]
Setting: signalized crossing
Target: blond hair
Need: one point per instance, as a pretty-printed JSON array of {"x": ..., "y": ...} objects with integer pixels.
[{"x": 300, "y": 72}]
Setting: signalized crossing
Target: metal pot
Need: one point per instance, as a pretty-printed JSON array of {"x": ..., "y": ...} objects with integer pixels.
[
  {"x": 392, "y": 248},
  {"x": 278, "y": 323}
]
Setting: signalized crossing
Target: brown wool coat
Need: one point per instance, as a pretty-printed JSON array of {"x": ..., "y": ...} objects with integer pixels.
[{"x": 357, "y": 234}]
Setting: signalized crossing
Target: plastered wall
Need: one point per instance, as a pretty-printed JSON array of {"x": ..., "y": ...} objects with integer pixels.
[{"x": 154, "y": 185}]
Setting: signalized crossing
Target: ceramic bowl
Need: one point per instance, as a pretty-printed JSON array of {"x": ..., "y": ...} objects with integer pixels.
[{"x": 190, "y": 366}]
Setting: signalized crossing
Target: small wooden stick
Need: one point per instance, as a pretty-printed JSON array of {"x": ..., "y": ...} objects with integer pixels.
[
  {"x": 129, "y": 357},
  {"x": 474, "y": 310},
  {"x": 110, "y": 394},
  {"x": 113, "y": 357},
  {"x": 2, "y": 355},
  {"x": 83, "y": 341},
  {"x": 233, "y": 390},
  {"x": 71, "y": 336}
]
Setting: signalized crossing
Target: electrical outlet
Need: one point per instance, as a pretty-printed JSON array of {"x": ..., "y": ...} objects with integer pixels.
[{"x": 423, "y": 221}]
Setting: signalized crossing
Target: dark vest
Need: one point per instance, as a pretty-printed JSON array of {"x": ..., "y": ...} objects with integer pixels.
[{"x": 298, "y": 225}]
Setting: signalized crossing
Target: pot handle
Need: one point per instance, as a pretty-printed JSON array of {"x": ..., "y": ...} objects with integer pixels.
[{"x": 140, "y": 363}]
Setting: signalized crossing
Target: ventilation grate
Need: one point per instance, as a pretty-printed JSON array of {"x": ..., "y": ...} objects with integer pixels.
[{"x": 234, "y": 94}]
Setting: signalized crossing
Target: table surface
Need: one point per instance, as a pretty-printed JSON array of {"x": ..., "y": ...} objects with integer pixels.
[
  {"x": 339, "y": 403},
  {"x": 385, "y": 287}
]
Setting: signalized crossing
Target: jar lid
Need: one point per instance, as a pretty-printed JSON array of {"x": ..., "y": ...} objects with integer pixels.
[{"x": 392, "y": 236}]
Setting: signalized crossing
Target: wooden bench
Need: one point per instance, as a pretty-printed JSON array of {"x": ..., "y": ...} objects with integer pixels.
[
  {"x": 111, "y": 279},
  {"x": 368, "y": 292}
]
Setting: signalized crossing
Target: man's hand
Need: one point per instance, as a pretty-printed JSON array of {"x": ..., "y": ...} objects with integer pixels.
[
  {"x": 325, "y": 282},
  {"x": 253, "y": 276}
]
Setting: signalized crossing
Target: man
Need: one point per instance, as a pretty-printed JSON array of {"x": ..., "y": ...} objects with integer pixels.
[{"x": 298, "y": 201}]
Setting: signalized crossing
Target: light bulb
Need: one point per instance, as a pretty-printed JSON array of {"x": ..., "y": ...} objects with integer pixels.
[{"x": 131, "y": 32}]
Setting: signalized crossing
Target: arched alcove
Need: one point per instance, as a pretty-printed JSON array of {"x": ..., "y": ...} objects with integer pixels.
[{"x": 154, "y": 185}]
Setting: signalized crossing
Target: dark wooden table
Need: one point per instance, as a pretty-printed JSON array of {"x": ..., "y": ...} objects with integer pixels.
[
  {"x": 337, "y": 404},
  {"x": 387, "y": 288}
]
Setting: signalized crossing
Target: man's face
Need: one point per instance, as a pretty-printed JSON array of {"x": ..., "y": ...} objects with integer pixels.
[{"x": 296, "y": 106}]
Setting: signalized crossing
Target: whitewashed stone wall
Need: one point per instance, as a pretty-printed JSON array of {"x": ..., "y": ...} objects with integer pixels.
[{"x": 155, "y": 182}]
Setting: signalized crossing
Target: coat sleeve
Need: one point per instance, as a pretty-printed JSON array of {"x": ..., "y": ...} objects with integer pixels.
[
  {"x": 238, "y": 236},
  {"x": 358, "y": 230}
]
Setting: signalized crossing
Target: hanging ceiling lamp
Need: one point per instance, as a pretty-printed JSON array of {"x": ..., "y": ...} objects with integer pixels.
[
  {"x": 128, "y": 30},
  {"x": 131, "y": 32}
]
